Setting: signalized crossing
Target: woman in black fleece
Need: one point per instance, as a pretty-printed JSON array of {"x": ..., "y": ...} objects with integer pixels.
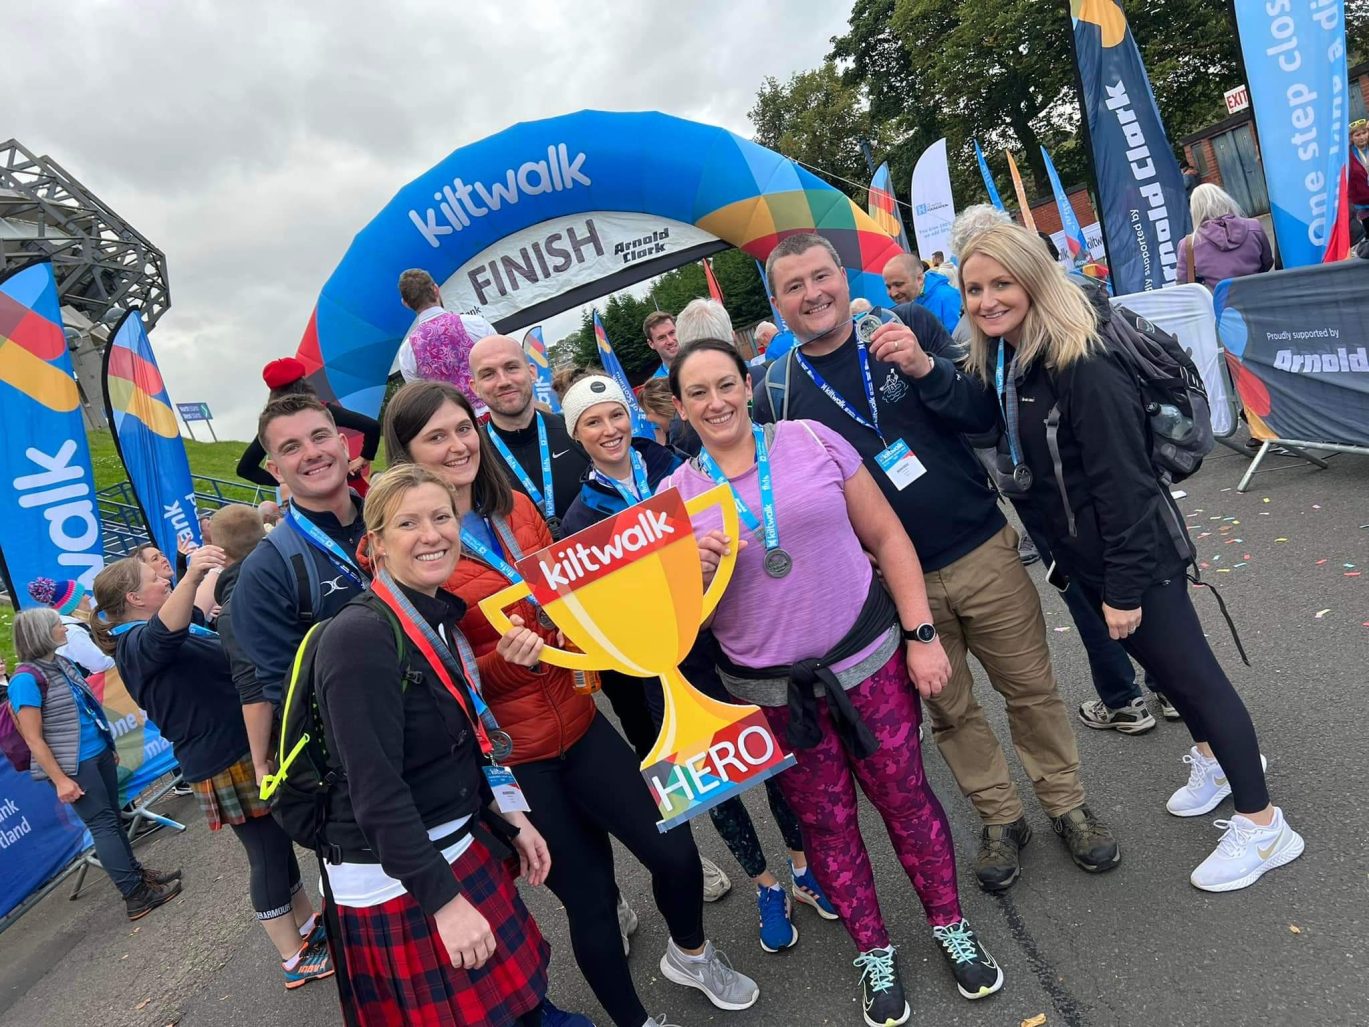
[
  {"x": 432, "y": 928},
  {"x": 1037, "y": 341}
]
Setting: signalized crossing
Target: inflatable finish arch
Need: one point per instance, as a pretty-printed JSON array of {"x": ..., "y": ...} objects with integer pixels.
[{"x": 520, "y": 226}]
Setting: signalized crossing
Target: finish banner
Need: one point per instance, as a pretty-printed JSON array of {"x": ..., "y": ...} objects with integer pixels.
[
  {"x": 147, "y": 437},
  {"x": 1144, "y": 210},
  {"x": 629, "y": 593},
  {"x": 536, "y": 349},
  {"x": 883, "y": 207},
  {"x": 1295, "y": 64},
  {"x": 49, "y": 526},
  {"x": 1298, "y": 351},
  {"x": 933, "y": 204}
]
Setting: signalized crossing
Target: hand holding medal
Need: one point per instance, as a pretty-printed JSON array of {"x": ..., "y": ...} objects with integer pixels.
[{"x": 893, "y": 342}]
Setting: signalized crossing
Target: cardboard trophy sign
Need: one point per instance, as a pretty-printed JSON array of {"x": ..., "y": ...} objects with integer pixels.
[{"x": 629, "y": 593}]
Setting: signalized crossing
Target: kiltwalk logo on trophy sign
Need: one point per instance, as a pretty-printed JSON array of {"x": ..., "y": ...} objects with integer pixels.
[{"x": 629, "y": 593}]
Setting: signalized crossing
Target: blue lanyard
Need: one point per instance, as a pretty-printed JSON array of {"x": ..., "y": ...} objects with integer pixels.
[
  {"x": 639, "y": 480},
  {"x": 473, "y": 544},
  {"x": 838, "y": 399},
  {"x": 198, "y": 630},
  {"x": 1008, "y": 406},
  {"x": 544, "y": 497},
  {"x": 315, "y": 536},
  {"x": 771, "y": 531}
]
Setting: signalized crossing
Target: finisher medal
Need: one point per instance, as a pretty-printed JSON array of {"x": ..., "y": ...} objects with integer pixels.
[
  {"x": 501, "y": 745},
  {"x": 778, "y": 562},
  {"x": 1022, "y": 476}
]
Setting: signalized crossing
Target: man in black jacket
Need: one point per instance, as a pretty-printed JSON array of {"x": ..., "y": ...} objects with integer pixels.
[{"x": 903, "y": 405}]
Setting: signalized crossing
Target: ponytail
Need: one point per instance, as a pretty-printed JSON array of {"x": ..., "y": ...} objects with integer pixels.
[{"x": 112, "y": 586}]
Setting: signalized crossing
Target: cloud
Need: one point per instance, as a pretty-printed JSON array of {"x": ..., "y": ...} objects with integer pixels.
[{"x": 251, "y": 141}]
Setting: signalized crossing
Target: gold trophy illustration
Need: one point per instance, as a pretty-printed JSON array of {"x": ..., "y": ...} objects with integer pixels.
[{"x": 628, "y": 592}]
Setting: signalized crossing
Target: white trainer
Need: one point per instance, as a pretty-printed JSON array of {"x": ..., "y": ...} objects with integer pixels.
[
  {"x": 1207, "y": 786},
  {"x": 716, "y": 883},
  {"x": 1246, "y": 852}
]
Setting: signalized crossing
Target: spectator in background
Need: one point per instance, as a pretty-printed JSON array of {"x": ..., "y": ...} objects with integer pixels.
[
  {"x": 700, "y": 319},
  {"x": 239, "y": 528},
  {"x": 658, "y": 405},
  {"x": 439, "y": 346},
  {"x": 762, "y": 336},
  {"x": 660, "y": 337},
  {"x": 860, "y": 305},
  {"x": 286, "y": 377},
  {"x": 1225, "y": 243},
  {"x": 73, "y": 747},
  {"x": 70, "y": 598},
  {"x": 1191, "y": 178},
  {"x": 908, "y": 283},
  {"x": 205, "y": 529},
  {"x": 945, "y": 268},
  {"x": 269, "y": 511},
  {"x": 1359, "y": 173}
]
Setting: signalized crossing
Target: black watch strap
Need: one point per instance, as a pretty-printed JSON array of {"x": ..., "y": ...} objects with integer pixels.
[{"x": 924, "y": 633}]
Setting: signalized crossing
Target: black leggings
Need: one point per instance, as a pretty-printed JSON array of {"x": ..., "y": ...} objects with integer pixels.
[
  {"x": 271, "y": 856},
  {"x": 1170, "y": 645},
  {"x": 594, "y": 790}
]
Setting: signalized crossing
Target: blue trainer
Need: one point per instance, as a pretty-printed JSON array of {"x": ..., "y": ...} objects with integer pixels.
[
  {"x": 777, "y": 927},
  {"x": 553, "y": 1017},
  {"x": 810, "y": 893}
]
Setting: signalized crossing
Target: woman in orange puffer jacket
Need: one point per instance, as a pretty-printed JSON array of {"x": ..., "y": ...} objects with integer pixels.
[{"x": 580, "y": 778}]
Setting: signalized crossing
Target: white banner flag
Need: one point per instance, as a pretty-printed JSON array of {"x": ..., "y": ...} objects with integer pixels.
[{"x": 933, "y": 205}]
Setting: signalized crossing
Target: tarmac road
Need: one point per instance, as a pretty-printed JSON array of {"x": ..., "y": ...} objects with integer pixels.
[{"x": 1137, "y": 946}]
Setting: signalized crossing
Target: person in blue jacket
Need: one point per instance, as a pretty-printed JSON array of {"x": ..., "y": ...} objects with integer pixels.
[{"x": 907, "y": 282}]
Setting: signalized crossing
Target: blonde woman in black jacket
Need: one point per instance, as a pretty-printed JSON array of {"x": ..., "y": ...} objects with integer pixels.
[{"x": 1037, "y": 341}]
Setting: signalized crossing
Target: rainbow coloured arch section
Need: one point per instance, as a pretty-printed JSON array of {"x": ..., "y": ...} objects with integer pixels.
[{"x": 646, "y": 162}]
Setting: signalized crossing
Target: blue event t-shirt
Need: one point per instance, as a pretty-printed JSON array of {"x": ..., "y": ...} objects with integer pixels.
[{"x": 24, "y": 692}]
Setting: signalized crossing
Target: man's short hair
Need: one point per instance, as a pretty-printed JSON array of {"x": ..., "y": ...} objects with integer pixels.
[
  {"x": 792, "y": 246},
  {"x": 416, "y": 288},
  {"x": 703, "y": 319},
  {"x": 237, "y": 529},
  {"x": 654, "y": 318},
  {"x": 287, "y": 406},
  {"x": 937, "y": 256}
]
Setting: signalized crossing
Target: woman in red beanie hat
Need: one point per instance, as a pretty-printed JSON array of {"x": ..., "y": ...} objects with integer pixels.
[{"x": 284, "y": 377}]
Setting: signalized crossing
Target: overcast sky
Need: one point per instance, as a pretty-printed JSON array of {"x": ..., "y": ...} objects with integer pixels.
[{"x": 251, "y": 141}]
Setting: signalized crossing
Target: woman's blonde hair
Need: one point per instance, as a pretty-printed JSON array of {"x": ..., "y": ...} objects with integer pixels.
[
  {"x": 111, "y": 590},
  {"x": 389, "y": 489},
  {"x": 1060, "y": 326}
]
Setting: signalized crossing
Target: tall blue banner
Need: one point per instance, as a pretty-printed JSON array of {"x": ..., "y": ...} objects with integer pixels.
[
  {"x": 148, "y": 438},
  {"x": 994, "y": 198},
  {"x": 1075, "y": 242},
  {"x": 49, "y": 524},
  {"x": 641, "y": 427},
  {"x": 1144, "y": 210},
  {"x": 1295, "y": 64},
  {"x": 39, "y": 836},
  {"x": 536, "y": 349}
]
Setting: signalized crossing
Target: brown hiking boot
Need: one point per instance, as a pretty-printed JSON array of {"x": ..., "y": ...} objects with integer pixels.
[
  {"x": 149, "y": 896},
  {"x": 998, "y": 862},
  {"x": 161, "y": 877}
]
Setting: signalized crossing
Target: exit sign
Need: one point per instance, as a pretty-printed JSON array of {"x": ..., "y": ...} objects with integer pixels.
[{"x": 1237, "y": 100}]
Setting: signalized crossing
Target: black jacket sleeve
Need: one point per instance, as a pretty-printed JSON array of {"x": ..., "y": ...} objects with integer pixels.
[
  {"x": 362, "y": 699},
  {"x": 250, "y": 468},
  {"x": 1103, "y": 408},
  {"x": 368, "y": 426},
  {"x": 265, "y": 622},
  {"x": 959, "y": 399},
  {"x": 244, "y": 674}
]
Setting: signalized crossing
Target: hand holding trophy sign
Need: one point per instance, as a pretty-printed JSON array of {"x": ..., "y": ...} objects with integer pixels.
[{"x": 629, "y": 592}]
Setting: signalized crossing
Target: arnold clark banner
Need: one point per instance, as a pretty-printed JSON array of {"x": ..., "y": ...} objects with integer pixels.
[
  {"x": 1295, "y": 62},
  {"x": 1296, "y": 342}
]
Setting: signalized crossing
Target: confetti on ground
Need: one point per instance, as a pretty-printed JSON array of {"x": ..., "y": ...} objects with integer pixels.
[
  {"x": 1264, "y": 513},
  {"x": 1217, "y": 559},
  {"x": 1234, "y": 521},
  {"x": 1062, "y": 630},
  {"x": 1265, "y": 499},
  {"x": 1205, "y": 534},
  {"x": 1348, "y": 566},
  {"x": 1281, "y": 540},
  {"x": 1204, "y": 565},
  {"x": 1230, "y": 519},
  {"x": 1214, "y": 518},
  {"x": 1320, "y": 562},
  {"x": 1294, "y": 929},
  {"x": 1323, "y": 613},
  {"x": 1352, "y": 574},
  {"x": 1245, "y": 556},
  {"x": 1223, "y": 570},
  {"x": 1315, "y": 506},
  {"x": 1232, "y": 541},
  {"x": 1038, "y": 1020},
  {"x": 1241, "y": 564}
]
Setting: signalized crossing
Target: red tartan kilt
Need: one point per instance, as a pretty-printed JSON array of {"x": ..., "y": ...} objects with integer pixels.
[{"x": 401, "y": 974}]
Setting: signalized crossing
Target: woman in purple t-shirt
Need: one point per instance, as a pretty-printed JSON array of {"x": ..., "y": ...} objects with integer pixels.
[{"x": 812, "y": 636}]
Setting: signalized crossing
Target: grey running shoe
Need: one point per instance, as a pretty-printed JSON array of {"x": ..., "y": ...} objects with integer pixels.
[
  {"x": 712, "y": 974},
  {"x": 716, "y": 883},
  {"x": 658, "y": 1021},
  {"x": 882, "y": 1001},
  {"x": 627, "y": 923},
  {"x": 1167, "y": 709},
  {"x": 1026, "y": 551},
  {"x": 1132, "y": 719}
]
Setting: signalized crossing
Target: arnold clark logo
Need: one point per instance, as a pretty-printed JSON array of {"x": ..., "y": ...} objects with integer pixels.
[{"x": 459, "y": 202}]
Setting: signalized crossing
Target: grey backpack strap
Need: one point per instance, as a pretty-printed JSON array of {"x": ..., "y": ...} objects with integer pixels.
[
  {"x": 788, "y": 370},
  {"x": 1053, "y": 443}
]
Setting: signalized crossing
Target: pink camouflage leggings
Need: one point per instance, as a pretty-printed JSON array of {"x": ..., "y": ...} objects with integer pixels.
[{"x": 821, "y": 787}]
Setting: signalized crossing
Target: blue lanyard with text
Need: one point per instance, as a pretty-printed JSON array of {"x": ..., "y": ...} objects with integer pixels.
[
  {"x": 543, "y": 497},
  {"x": 314, "y": 535},
  {"x": 770, "y": 532},
  {"x": 198, "y": 630},
  {"x": 838, "y": 399},
  {"x": 1009, "y": 407},
  {"x": 639, "y": 480}
]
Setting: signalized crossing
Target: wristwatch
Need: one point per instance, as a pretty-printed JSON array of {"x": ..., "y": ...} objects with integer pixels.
[{"x": 924, "y": 633}]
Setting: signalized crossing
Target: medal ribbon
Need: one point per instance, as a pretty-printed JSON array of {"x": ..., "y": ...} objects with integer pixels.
[
  {"x": 480, "y": 551},
  {"x": 545, "y": 496},
  {"x": 316, "y": 537},
  {"x": 639, "y": 480},
  {"x": 1006, "y": 391},
  {"x": 770, "y": 531},
  {"x": 441, "y": 659},
  {"x": 838, "y": 399},
  {"x": 197, "y": 630}
]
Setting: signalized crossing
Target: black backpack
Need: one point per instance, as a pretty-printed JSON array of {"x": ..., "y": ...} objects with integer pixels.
[{"x": 302, "y": 787}]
